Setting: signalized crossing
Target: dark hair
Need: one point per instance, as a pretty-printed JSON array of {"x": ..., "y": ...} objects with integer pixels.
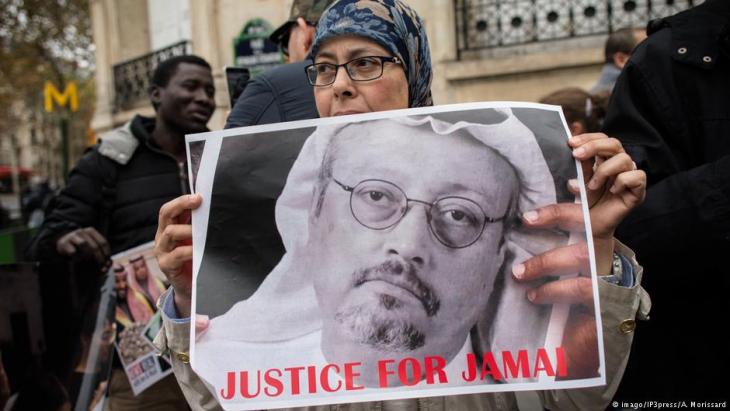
[
  {"x": 579, "y": 105},
  {"x": 167, "y": 68},
  {"x": 620, "y": 41}
]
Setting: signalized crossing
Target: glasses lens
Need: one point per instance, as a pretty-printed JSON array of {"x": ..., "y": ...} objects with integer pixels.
[
  {"x": 365, "y": 68},
  {"x": 321, "y": 74},
  {"x": 312, "y": 75},
  {"x": 377, "y": 204},
  {"x": 456, "y": 221}
]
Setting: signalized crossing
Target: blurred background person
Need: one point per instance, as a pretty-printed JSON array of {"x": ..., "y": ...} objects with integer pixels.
[
  {"x": 34, "y": 200},
  {"x": 619, "y": 46},
  {"x": 283, "y": 93},
  {"x": 584, "y": 112}
]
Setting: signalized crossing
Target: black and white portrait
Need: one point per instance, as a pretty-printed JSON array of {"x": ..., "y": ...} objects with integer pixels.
[{"x": 399, "y": 232}]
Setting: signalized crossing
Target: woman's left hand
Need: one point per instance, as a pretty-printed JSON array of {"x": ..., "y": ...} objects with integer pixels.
[
  {"x": 613, "y": 184},
  {"x": 614, "y": 187}
]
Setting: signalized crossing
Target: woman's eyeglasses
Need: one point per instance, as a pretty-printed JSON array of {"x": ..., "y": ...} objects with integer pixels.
[{"x": 360, "y": 69}]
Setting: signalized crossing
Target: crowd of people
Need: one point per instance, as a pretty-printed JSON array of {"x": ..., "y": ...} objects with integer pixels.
[{"x": 658, "y": 181}]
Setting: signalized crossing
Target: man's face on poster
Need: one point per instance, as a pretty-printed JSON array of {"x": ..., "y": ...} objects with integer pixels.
[
  {"x": 120, "y": 282},
  {"x": 140, "y": 269},
  {"x": 407, "y": 242}
]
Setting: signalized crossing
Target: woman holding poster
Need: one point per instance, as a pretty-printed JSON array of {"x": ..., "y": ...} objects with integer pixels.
[{"x": 382, "y": 47}]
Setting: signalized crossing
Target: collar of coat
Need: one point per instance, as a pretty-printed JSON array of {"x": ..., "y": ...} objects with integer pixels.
[
  {"x": 700, "y": 35},
  {"x": 119, "y": 144}
]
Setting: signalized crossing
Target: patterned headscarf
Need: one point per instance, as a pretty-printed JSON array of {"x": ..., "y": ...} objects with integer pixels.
[{"x": 392, "y": 24}]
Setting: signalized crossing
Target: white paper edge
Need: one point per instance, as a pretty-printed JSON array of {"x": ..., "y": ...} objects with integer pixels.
[{"x": 204, "y": 179}]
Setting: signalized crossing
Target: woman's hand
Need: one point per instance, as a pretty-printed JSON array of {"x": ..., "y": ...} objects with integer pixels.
[
  {"x": 174, "y": 248},
  {"x": 614, "y": 187}
]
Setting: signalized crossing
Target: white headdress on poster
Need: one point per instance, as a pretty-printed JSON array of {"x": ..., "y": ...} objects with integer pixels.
[{"x": 285, "y": 306}]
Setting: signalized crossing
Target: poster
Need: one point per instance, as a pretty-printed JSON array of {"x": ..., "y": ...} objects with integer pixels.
[
  {"x": 98, "y": 331},
  {"x": 369, "y": 257},
  {"x": 138, "y": 283}
]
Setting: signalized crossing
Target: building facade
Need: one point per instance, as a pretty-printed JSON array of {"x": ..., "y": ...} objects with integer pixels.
[{"x": 482, "y": 50}]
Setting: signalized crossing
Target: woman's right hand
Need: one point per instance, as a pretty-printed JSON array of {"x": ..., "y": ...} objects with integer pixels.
[{"x": 174, "y": 248}]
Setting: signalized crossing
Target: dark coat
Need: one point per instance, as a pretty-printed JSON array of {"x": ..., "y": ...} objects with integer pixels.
[
  {"x": 671, "y": 110},
  {"x": 280, "y": 94},
  {"x": 119, "y": 192}
]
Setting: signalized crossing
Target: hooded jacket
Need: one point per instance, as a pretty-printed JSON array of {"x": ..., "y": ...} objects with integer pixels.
[{"x": 117, "y": 187}]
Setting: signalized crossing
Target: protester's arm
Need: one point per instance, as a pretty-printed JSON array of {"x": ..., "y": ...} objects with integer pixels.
[
  {"x": 644, "y": 115},
  {"x": 174, "y": 251},
  {"x": 614, "y": 187},
  {"x": 174, "y": 340},
  {"x": 69, "y": 230},
  {"x": 697, "y": 202},
  {"x": 620, "y": 306}
]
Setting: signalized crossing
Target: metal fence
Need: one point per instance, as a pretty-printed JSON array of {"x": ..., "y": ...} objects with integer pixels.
[
  {"x": 485, "y": 24},
  {"x": 132, "y": 77}
]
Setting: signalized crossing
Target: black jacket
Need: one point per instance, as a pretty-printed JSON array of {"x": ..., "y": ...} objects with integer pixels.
[
  {"x": 118, "y": 188},
  {"x": 671, "y": 110},
  {"x": 280, "y": 94}
]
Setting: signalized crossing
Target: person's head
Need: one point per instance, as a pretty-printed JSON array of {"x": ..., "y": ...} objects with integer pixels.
[
  {"x": 584, "y": 112},
  {"x": 384, "y": 46},
  {"x": 139, "y": 266},
  {"x": 120, "y": 282},
  {"x": 620, "y": 44},
  {"x": 296, "y": 35},
  {"x": 182, "y": 93},
  {"x": 406, "y": 253}
]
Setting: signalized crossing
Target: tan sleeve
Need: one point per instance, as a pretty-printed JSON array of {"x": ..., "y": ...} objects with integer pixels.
[
  {"x": 620, "y": 307},
  {"x": 174, "y": 340}
]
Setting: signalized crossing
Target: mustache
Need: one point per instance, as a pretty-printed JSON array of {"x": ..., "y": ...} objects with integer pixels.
[{"x": 403, "y": 275}]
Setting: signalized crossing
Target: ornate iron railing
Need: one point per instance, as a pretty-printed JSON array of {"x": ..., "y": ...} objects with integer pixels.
[
  {"x": 485, "y": 24},
  {"x": 132, "y": 77}
]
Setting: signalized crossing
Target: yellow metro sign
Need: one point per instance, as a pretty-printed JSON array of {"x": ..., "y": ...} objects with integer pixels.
[{"x": 51, "y": 94}]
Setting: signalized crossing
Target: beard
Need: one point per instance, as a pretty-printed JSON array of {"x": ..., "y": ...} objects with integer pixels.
[
  {"x": 379, "y": 328},
  {"x": 380, "y": 320}
]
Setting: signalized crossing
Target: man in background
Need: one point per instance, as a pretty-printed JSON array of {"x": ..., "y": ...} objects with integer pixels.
[
  {"x": 115, "y": 191},
  {"x": 619, "y": 46},
  {"x": 283, "y": 93}
]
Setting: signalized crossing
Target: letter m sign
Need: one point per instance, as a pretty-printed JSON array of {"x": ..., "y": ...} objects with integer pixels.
[{"x": 51, "y": 94}]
